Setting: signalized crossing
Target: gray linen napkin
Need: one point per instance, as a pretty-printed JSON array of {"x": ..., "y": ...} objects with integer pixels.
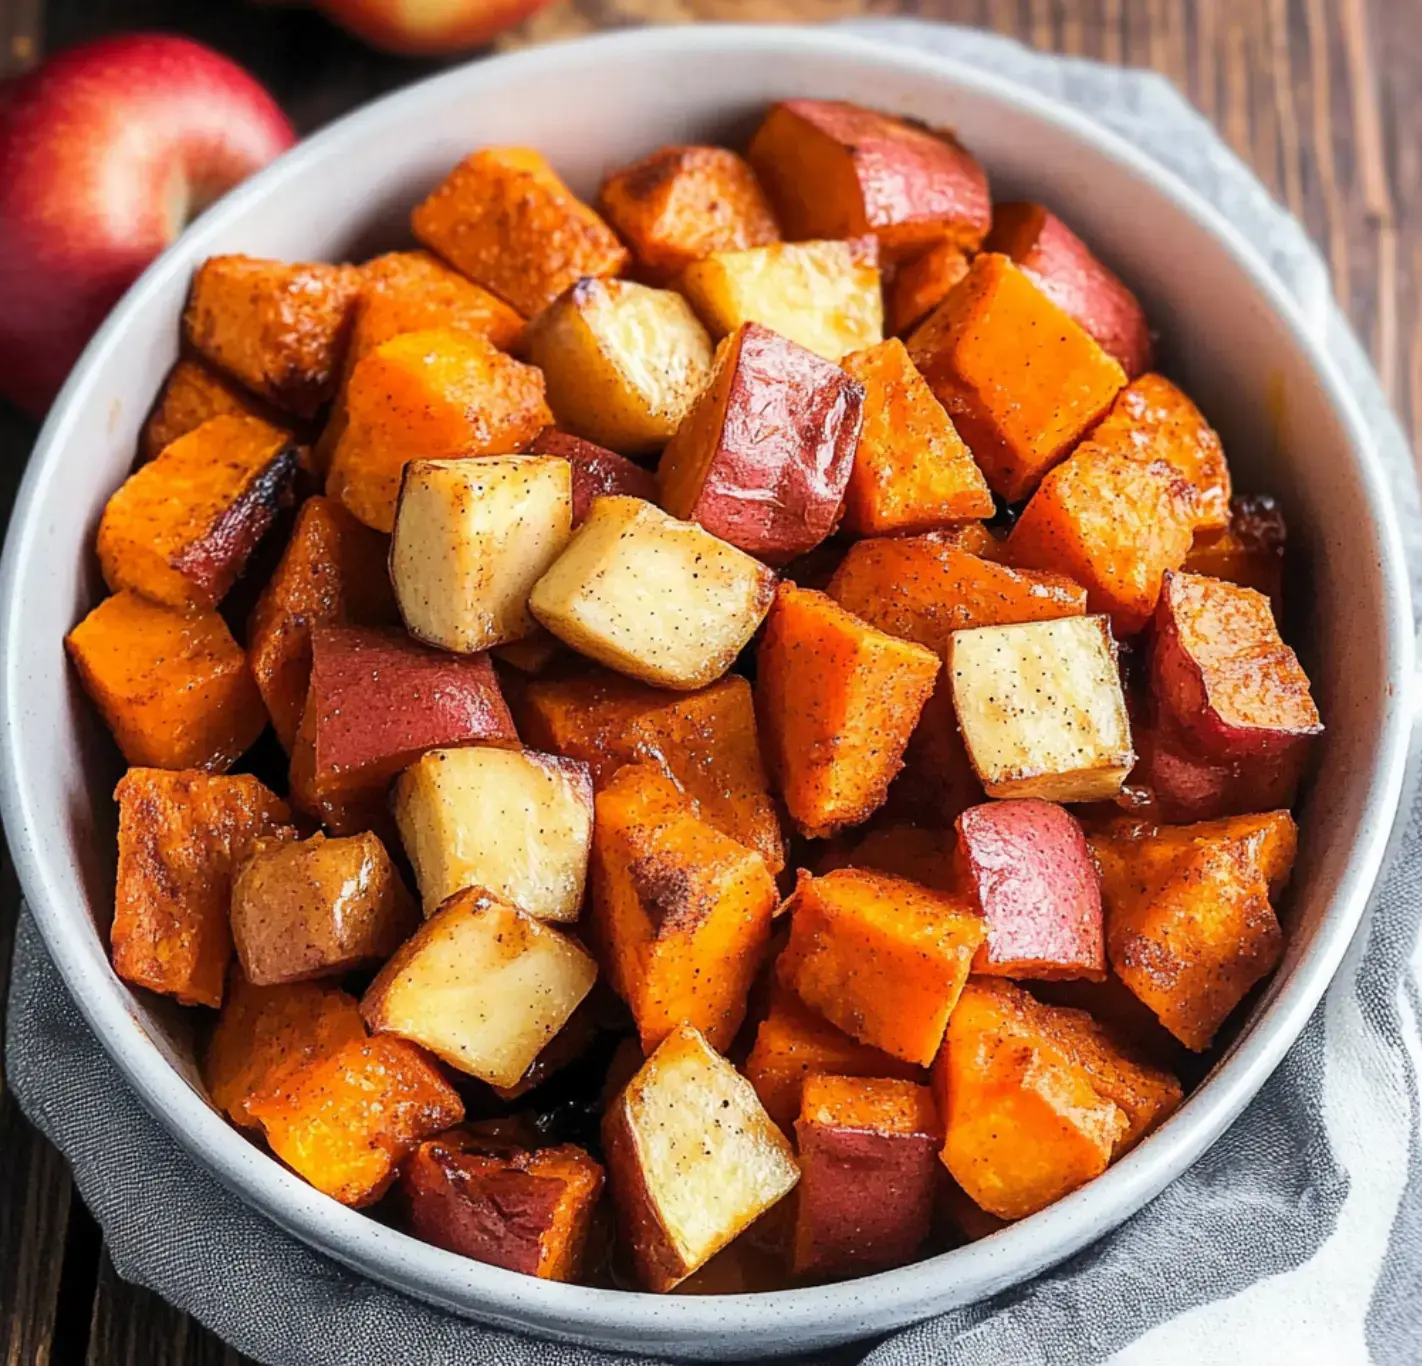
[{"x": 1296, "y": 1239}]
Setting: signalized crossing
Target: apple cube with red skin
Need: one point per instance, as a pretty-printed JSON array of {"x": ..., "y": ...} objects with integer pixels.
[
  {"x": 1027, "y": 865},
  {"x": 596, "y": 470}
]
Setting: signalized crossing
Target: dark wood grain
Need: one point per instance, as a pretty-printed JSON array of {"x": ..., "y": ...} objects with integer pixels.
[{"x": 1323, "y": 98}]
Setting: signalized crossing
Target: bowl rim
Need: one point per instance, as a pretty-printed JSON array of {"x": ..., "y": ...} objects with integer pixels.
[{"x": 613, "y": 1317}]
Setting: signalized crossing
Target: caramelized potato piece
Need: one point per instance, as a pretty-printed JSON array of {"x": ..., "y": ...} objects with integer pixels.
[
  {"x": 173, "y": 688},
  {"x": 837, "y": 701},
  {"x": 1249, "y": 552},
  {"x": 503, "y": 218},
  {"x": 192, "y": 394},
  {"x": 835, "y": 169},
  {"x": 623, "y": 362},
  {"x": 278, "y": 328},
  {"x": 680, "y": 204},
  {"x": 823, "y": 296},
  {"x": 921, "y": 284},
  {"x": 179, "y": 530},
  {"x": 482, "y": 986},
  {"x": 882, "y": 958},
  {"x": 659, "y": 599},
  {"x": 595, "y": 471},
  {"x": 763, "y": 457},
  {"x": 179, "y": 834},
  {"x": 680, "y": 912},
  {"x": 692, "y": 1159},
  {"x": 1021, "y": 381}
]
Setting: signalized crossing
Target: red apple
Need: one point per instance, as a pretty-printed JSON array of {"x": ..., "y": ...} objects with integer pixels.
[
  {"x": 427, "y": 27},
  {"x": 106, "y": 152}
]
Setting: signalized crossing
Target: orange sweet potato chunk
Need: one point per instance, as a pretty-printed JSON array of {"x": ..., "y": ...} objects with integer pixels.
[
  {"x": 179, "y": 834},
  {"x": 347, "y": 1119},
  {"x": 837, "y": 701},
  {"x": 920, "y": 285},
  {"x": 1112, "y": 523},
  {"x": 1021, "y": 380},
  {"x": 503, "y": 218},
  {"x": 1249, "y": 551},
  {"x": 911, "y": 471},
  {"x": 179, "y": 530},
  {"x": 680, "y": 912},
  {"x": 921, "y": 855},
  {"x": 192, "y": 394},
  {"x": 173, "y": 687},
  {"x": 680, "y": 204},
  {"x": 428, "y": 395},
  {"x": 882, "y": 958},
  {"x": 277, "y": 328},
  {"x": 938, "y": 782}
]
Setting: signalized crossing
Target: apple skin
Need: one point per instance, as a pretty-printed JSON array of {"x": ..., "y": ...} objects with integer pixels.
[
  {"x": 428, "y": 28},
  {"x": 106, "y": 151}
]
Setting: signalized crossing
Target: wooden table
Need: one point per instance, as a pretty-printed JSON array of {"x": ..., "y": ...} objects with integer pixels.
[{"x": 1322, "y": 97}]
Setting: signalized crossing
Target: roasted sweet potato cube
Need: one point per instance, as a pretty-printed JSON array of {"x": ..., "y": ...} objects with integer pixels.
[
  {"x": 680, "y": 912},
  {"x": 1222, "y": 674},
  {"x": 835, "y": 169},
  {"x": 1021, "y": 380},
  {"x": 882, "y": 958},
  {"x": 704, "y": 741},
  {"x": 179, "y": 834},
  {"x": 763, "y": 457},
  {"x": 823, "y": 296},
  {"x": 938, "y": 781},
  {"x": 428, "y": 395},
  {"x": 503, "y": 218},
  {"x": 1114, "y": 524},
  {"x": 680, "y": 204},
  {"x": 180, "y": 528},
  {"x": 192, "y": 394},
  {"x": 1064, "y": 268},
  {"x": 692, "y": 1159},
  {"x": 921, "y": 284},
  {"x": 1249, "y": 551},
  {"x": 174, "y": 688},
  {"x": 277, "y": 327},
  {"x": 837, "y": 701},
  {"x": 524, "y": 1211},
  {"x": 868, "y": 1150},
  {"x": 1025, "y": 1125},
  {"x": 921, "y": 855},
  {"x": 794, "y": 1044},
  {"x": 1027, "y": 867},
  {"x": 596, "y": 471},
  {"x": 912, "y": 471},
  {"x": 1127, "y": 1020},
  {"x": 266, "y": 1033},
  {"x": 923, "y": 589}
]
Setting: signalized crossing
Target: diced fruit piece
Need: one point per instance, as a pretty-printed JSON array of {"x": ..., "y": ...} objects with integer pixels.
[
  {"x": 173, "y": 687},
  {"x": 1027, "y": 867},
  {"x": 1021, "y": 381},
  {"x": 1250, "y": 551},
  {"x": 179, "y": 835},
  {"x": 471, "y": 539},
  {"x": 920, "y": 285},
  {"x": 680, "y": 912},
  {"x": 823, "y": 296},
  {"x": 267, "y": 1033},
  {"x": 1222, "y": 674},
  {"x": 595, "y": 471},
  {"x": 192, "y": 394},
  {"x": 1041, "y": 709},
  {"x": 1064, "y": 268},
  {"x": 704, "y": 741},
  {"x": 481, "y": 985},
  {"x": 659, "y": 599},
  {"x": 794, "y": 1044},
  {"x": 348, "y": 1118},
  {"x": 503, "y": 218},
  {"x": 278, "y": 328},
  {"x": 1115, "y": 524},
  {"x": 181, "y": 527},
  {"x": 428, "y": 395},
  {"x": 680, "y": 204},
  {"x": 515, "y": 823},
  {"x": 692, "y": 1159},
  {"x": 882, "y": 958},
  {"x": 868, "y": 1150},
  {"x": 763, "y": 457},
  {"x": 317, "y": 908},
  {"x": 623, "y": 362},
  {"x": 1152, "y": 419},
  {"x": 837, "y": 701},
  {"x": 331, "y": 573},
  {"x": 524, "y": 1211},
  {"x": 835, "y": 169}
]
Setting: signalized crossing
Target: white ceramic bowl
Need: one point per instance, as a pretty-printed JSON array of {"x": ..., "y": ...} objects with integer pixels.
[{"x": 1232, "y": 337}]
